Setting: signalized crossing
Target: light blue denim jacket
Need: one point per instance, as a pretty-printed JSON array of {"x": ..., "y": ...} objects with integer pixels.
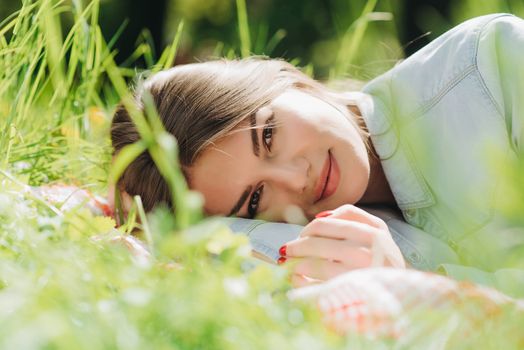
[
  {"x": 435, "y": 119},
  {"x": 438, "y": 120}
]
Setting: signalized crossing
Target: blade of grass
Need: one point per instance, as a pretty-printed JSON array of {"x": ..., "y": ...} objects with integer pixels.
[
  {"x": 243, "y": 28},
  {"x": 275, "y": 40},
  {"x": 168, "y": 56},
  {"x": 124, "y": 158},
  {"x": 351, "y": 40},
  {"x": 145, "y": 224}
]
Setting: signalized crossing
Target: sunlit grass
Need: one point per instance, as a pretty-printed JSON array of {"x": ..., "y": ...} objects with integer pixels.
[{"x": 61, "y": 289}]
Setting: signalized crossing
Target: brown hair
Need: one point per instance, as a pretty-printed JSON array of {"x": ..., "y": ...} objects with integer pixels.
[{"x": 202, "y": 102}]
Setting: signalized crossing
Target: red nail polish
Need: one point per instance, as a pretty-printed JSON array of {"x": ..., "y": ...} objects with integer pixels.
[
  {"x": 324, "y": 213},
  {"x": 282, "y": 250},
  {"x": 281, "y": 260}
]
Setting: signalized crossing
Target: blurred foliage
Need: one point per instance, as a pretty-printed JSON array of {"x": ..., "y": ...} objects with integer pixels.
[
  {"x": 308, "y": 32},
  {"x": 311, "y": 32}
]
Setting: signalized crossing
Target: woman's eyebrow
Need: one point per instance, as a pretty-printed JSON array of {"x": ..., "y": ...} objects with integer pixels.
[
  {"x": 254, "y": 134},
  {"x": 241, "y": 200}
]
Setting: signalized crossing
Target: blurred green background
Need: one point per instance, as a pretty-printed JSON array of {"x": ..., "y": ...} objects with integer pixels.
[{"x": 308, "y": 32}]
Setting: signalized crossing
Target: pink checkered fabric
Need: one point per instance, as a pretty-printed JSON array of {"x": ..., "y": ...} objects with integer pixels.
[
  {"x": 67, "y": 197},
  {"x": 387, "y": 301}
]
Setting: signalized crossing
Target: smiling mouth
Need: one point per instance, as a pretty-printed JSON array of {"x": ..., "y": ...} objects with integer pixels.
[
  {"x": 323, "y": 179},
  {"x": 330, "y": 176},
  {"x": 327, "y": 179}
]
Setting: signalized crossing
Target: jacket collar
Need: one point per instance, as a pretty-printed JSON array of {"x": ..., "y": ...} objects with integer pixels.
[{"x": 404, "y": 177}]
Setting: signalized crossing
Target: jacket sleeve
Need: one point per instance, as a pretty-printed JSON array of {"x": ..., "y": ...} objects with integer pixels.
[
  {"x": 420, "y": 250},
  {"x": 265, "y": 237},
  {"x": 500, "y": 61}
]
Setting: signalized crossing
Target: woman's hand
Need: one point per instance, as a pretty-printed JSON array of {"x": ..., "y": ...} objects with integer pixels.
[{"x": 346, "y": 238}]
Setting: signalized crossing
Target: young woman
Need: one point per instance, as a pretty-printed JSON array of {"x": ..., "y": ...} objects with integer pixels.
[{"x": 258, "y": 138}]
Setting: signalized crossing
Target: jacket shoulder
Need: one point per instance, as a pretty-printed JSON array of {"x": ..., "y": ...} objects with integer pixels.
[{"x": 431, "y": 71}]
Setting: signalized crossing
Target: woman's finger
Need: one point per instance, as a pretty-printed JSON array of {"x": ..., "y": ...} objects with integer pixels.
[
  {"x": 298, "y": 281},
  {"x": 349, "y": 253},
  {"x": 353, "y": 213},
  {"x": 336, "y": 228},
  {"x": 320, "y": 269}
]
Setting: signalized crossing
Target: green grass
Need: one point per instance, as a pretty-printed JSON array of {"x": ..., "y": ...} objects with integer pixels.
[{"x": 59, "y": 289}]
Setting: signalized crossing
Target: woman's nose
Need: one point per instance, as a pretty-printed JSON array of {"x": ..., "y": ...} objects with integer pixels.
[{"x": 290, "y": 175}]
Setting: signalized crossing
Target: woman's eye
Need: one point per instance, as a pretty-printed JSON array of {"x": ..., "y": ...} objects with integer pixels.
[
  {"x": 267, "y": 136},
  {"x": 253, "y": 203}
]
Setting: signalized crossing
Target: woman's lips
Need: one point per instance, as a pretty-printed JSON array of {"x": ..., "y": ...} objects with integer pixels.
[{"x": 329, "y": 177}]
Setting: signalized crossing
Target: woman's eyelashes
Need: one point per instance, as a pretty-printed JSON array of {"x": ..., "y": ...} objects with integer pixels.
[
  {"x": 267, "y": 138},
  {"x": 252, "y": 207},
  {"x": 268, "y": 132}
]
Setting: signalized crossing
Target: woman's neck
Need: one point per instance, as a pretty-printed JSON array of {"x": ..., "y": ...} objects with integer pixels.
[{"x": 378, "y": 190}]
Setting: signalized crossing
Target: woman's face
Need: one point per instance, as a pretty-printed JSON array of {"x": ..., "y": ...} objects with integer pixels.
[{"x": 304, "y": 152}]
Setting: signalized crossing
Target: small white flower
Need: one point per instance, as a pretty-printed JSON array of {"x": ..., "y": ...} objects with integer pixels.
[{"x": 236, "y": 286}]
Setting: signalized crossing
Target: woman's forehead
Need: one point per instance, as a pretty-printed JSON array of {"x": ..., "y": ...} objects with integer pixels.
[{"x": 221, "y": 171}]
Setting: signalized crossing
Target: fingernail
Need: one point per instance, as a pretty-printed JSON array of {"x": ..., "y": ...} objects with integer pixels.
[
  {"x": 281, "y": 260},
  {"x": 282, "y": 250},
  {"x": 324, "y": 213}
]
